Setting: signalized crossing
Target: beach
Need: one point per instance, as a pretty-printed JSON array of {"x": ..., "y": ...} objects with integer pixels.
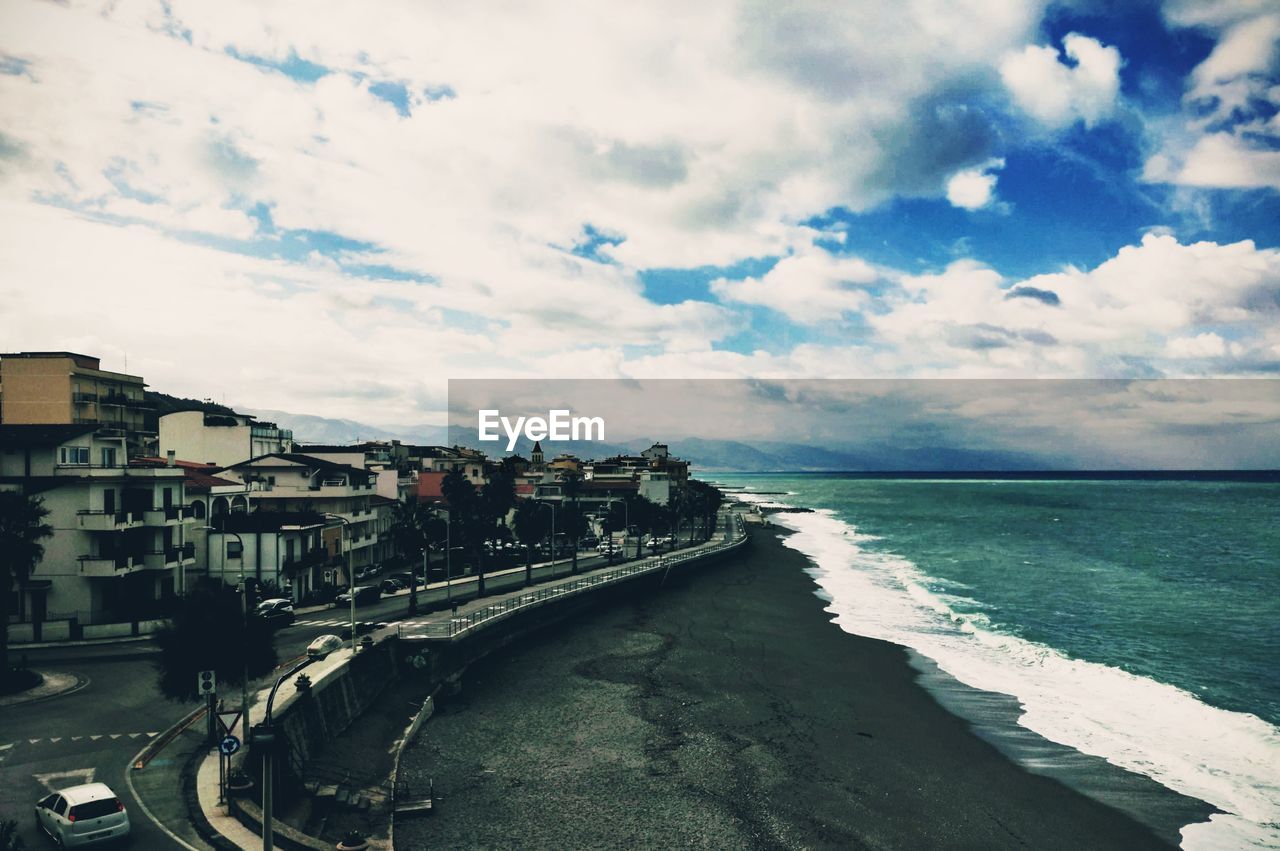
[{"x": 725, "y": 710}]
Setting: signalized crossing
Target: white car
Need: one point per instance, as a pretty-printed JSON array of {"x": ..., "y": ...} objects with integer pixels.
[
  {"x": 82, "y": 815},
  {"x": 323, "y": 646}
]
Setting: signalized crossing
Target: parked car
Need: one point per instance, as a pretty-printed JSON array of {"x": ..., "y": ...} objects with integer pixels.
[
  {"x": 589, "y": 543},
  {"x": 364, "y": 594},
  {"x": 82, "y": 815},
  {"x": 391, "y": 585},
  {"x": 277, "y": 612},
  {"x": 323, "y": 646}
]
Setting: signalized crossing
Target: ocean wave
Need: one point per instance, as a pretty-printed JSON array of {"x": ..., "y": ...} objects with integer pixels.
[{"x": 1228, "y": 759}]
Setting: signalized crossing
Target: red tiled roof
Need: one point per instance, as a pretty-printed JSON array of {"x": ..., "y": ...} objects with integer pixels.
[{"x": 197, "y": 476}]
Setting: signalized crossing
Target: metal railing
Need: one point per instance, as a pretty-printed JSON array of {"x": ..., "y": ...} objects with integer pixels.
[{"x": 455, "y": 625}]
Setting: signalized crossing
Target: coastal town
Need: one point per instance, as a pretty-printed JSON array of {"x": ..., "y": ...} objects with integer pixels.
[
  {"x": 144, "y": 506},
  {"x": 190, "y": 560}
]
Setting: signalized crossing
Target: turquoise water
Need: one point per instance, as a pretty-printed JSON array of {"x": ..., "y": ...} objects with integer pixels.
[
  {"x": 1175, "y": 581},
  {"x": 1136, "y": 621}
]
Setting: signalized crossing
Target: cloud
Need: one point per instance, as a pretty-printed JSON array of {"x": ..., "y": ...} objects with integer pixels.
[
  {"x": 1228, "y": 136},
  {"x": 973, "y": 189},
  {"x": 1206, "y": 345},
  {"x": 1058, "y": 93},
  {"x": 1152, "y": 302},
  {"x": 809, "y": 287}
]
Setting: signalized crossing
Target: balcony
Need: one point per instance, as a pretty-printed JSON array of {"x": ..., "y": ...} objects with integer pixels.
[
  {"x": 84, "y": 398},
  {"x": 102, "y": 521},
  {"x": 314, "y": 558},
  {"x": 167, "y": 516},
  {"x": 106, "y": 565},
  {"x": 168, "y": 557}
]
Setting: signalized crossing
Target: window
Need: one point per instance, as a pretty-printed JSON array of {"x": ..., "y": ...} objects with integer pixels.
[
  {"x": 59, "y": 805},
  {"x": 108, "y": 456},
  {"x": 73, "y": 455},
  {"x": 235, "y": 549},
  {"x": 96, "y": 809}
]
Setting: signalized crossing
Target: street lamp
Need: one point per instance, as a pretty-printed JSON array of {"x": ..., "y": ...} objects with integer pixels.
[
  {"x": 351, "y": 579},
  {"x": 265, "y": 737},
  {"x": 244, "y": 615},
  {"x": 552, "y": 506},
  {"x": 626, "y": 523}
]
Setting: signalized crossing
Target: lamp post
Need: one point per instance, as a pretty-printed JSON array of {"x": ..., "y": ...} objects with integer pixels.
[
  {"x": 626, "y": 523},
  {"x": 244, "y": 618},
  {"x": 264, "y": 736},
  {"x": 552, "y": 506},
  {"x": 351, "y": 579}
]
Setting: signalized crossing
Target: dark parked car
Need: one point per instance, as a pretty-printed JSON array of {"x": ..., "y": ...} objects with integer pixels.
[
  {"x": 277, "y": 612},
  {"x": 364, "y": 594},
  {"x": 390, "y": 585}
]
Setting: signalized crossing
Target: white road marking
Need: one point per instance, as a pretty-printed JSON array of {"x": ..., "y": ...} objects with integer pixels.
[{"x": 55, "y": 780}]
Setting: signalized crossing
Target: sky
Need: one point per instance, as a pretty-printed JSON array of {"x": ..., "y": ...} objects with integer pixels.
[
  {"x": 333, "y": 208},
  {"x": 896, "y": 424}
]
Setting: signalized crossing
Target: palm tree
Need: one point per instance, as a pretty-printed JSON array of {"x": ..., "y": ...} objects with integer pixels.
[
  {"x": 570, "y": 486},
  {"x": 461, "y": 496},
  {"x": 497, "y": 497},
  {"x": 409, "y": 533},
  {"x": 22, "y": 528},
  {"x": 531, "y": 529}
]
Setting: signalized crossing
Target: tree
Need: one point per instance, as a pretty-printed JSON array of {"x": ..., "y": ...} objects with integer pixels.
[
  {"x": 461, "y": 496},
  {"x": 702, "y": 503},
  {"x": 410, "y": 520},
  {"x": 571, "y": 486},
  {"x": 22, "y": 528},
  {"x": 209, "y": 632},
  {"x": 531, "y": 528},
  {"x": 497, "y": 497}
]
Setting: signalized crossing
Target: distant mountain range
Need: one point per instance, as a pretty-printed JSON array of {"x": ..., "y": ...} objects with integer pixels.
[{"x": 704, "y": 453}]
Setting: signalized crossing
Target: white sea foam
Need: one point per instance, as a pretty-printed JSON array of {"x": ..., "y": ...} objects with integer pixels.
[{"x": 1229, "y": 759}]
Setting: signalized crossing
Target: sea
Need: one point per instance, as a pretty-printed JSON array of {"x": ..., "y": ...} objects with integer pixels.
[{"x": 1136, "y": 621}]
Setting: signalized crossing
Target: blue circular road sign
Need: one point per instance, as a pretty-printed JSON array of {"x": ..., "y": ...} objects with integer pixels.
[{"x": 229, "y": 745}]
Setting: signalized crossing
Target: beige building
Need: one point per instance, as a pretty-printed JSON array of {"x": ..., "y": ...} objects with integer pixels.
[
  {"x": 220, "y": 440},
  {"x": 344, "y": 494},
  {"x": 65, "y": 388},
  {"x": 121, "y": 530}
]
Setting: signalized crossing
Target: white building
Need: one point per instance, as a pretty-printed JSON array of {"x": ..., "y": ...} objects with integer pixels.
[
  {"x": 291, "y": 482},
  {"x": 283, "y": 548},
  {"x": 120, "y": 546},
  {"x": 219, "y": 439}
]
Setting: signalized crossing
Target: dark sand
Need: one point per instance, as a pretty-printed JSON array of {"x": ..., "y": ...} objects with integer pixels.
[{"x": 725, "y": 711}]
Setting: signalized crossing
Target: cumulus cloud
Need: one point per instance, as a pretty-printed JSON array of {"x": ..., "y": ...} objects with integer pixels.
[
  {"x": 973, "y": 189},
  {"x": 1058, "y": 92},
  {"x": 1228, "y": 136},
  {"x": 809, "y": 287},
  {"x": 1152, "y": 302}
]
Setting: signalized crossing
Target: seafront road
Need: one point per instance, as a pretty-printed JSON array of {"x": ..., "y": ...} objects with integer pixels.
[{"x": 94, "y": 733}]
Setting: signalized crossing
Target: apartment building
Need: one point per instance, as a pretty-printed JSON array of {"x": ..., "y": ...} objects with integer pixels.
[
  {"x": 120, "y": 547},
  {"x": 283, "y": 548},
  {"x": 220, "y": 439},
  {"x": 65, "y": 388},
  {"x": 343, "y": 494}
]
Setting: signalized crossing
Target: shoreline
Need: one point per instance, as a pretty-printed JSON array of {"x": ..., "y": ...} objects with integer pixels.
[{"x": 726, "y": 709}]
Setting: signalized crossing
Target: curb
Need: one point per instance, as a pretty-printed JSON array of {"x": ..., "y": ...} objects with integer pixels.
[
  {"x": 18, "y": 700},
  {"x": 85, "y": 642},
  {"x": 148, "y": 752},
  {"x": 191, "y": 797}
]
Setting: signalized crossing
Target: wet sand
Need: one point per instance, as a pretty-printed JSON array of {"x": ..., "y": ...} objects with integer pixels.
[{"x": 725, "y": 711}]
